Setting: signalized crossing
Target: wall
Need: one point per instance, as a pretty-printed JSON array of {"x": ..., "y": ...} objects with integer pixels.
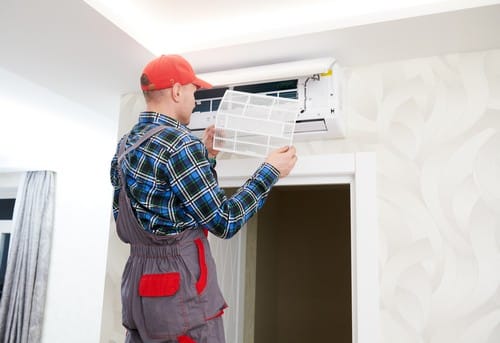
[
  {"x": 42, "y": 130},
  {"x": 111, "y": 327},
  {"x": 435, "y": 126},
  {"x": 9, "y": 183}
]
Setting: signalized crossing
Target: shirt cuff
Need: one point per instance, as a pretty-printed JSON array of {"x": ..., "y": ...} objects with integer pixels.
[{"x": 268, "y": 174}]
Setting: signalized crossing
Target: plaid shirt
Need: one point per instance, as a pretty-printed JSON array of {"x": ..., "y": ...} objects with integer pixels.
[{"x": 172, "y": 186}]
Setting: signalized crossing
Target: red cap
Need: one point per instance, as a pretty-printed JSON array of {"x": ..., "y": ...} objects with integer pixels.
[{"x": 166, "y": 70}]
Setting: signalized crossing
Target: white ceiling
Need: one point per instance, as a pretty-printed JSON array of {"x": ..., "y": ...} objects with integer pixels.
[
  {"x": 92, "y": 50},
  {"x": 172, "y": 26},
  {"x": 474, "y": 29}
]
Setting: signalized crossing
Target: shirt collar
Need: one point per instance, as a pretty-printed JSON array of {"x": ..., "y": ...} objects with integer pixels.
[{"x": 159, "y": 118}]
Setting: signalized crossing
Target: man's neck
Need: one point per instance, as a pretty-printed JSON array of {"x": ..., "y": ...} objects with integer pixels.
[{"x": 163, "y": 109}]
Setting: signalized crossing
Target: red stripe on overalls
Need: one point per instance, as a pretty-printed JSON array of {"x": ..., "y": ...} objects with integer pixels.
[
  {"x": 185, "y": 339},
  {"x": 202, "y": 281}
]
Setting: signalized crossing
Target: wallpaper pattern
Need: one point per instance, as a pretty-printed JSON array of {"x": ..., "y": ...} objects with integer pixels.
[{"x": 435, "y": 125}]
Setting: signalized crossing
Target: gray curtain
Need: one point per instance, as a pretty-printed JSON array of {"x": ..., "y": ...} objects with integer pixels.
[{"x": 23, "y": 299}]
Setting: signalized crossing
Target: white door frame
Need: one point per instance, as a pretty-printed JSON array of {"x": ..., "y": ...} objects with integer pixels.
[{"x": 356, "y": 169}]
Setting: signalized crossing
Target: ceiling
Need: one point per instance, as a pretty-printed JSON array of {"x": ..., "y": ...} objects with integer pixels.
[
  {"x": 222, "y": 34},
  {"x": 92, "y": 51},
  {"x": 171, "y": 26}
]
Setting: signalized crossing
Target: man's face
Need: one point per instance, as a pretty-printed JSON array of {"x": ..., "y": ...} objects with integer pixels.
[{"x": 186, "y": 103}]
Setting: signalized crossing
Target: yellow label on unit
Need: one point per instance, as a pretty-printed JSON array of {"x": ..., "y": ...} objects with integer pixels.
[{"x": 328, "y": 73}]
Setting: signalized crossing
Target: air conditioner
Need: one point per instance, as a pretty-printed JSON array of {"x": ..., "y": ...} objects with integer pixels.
[{"x": 317, "y": 84}]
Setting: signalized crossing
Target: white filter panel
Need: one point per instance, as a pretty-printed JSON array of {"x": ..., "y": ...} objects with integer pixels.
[{"x": 254, "y": 124}]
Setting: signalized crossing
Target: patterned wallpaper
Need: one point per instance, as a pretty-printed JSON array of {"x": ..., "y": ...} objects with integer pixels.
[{"x": 435, "y": 126}]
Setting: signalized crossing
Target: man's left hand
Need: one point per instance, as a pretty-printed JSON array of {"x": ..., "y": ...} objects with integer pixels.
[{"x": 208, "y": 140}]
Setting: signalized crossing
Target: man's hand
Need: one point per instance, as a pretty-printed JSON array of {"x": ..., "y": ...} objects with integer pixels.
[
  {"x": 208, "y": 140},
  {"x": 283, "y": 159}
]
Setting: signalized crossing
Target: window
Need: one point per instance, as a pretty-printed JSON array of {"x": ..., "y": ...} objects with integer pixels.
[
  {"x": 6, "y": 208},
  {"x": 6, "y": 212},
  {"x": 4, "y": 252}
]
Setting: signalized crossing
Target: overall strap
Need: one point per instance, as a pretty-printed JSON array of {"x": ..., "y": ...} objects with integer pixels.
[
  {"x": 146, "y": 136},
  {"x": 122, "y": 152}
]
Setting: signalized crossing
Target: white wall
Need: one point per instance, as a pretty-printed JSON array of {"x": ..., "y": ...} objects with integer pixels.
[
  {"x": 9, "y": 183},
  {"x": 42, "y": 130},
  {"x": 435, "y": 126},
  {"x": 112, "y": 330}
]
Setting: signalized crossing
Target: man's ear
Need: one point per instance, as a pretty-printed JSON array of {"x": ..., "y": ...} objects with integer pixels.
[{"x": 176, "y": 92}]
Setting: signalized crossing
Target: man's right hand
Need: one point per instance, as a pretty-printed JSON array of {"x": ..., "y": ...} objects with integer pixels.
[{"x": 283, "y": 159}]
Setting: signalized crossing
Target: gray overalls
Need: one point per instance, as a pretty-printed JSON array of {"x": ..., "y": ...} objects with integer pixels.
[{"x": 169, "y": 285}]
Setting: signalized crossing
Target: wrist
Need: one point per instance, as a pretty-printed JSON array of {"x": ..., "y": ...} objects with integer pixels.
[{"x": 212, "y": 153}]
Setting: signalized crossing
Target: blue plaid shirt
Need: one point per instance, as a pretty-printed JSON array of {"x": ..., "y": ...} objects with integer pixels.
[{"x": 172, "y": 186}]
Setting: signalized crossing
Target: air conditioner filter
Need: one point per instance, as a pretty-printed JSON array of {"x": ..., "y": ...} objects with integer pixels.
[{"x": 254, "y": 124}]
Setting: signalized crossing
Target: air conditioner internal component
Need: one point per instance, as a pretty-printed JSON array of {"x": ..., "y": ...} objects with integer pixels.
[{"x": 317, "y": 85}]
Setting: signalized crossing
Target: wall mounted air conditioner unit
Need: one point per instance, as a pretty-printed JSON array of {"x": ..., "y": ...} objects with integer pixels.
[{"x": 318, "y": 84}]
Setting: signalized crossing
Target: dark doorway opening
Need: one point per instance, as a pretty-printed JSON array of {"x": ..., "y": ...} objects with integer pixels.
[{"x": 303, "y": 266}]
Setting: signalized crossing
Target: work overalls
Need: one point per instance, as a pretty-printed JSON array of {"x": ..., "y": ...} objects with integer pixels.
[{"x": 169, "y": 285}]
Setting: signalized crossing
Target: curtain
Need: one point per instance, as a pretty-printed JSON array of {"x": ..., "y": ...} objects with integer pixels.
[{"x": 23, "y": 299}]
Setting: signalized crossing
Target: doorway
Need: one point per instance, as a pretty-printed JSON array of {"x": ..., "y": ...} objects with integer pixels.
[
  {"x": 350, "y": 174},
  {"x": 300, "y": 254}
]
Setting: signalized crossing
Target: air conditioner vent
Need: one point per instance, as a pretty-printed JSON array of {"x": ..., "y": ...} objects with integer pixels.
[
  {"x": 270, "y": 88},
  {"x": 208, "y": 100},
  {"x": 310, "y": 125}
]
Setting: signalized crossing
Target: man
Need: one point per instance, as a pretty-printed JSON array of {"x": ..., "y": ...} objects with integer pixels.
[{"x": 166, "y": 198}]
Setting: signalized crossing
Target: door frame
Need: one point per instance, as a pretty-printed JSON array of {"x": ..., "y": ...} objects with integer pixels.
[{"x": 356, "y": 169}]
